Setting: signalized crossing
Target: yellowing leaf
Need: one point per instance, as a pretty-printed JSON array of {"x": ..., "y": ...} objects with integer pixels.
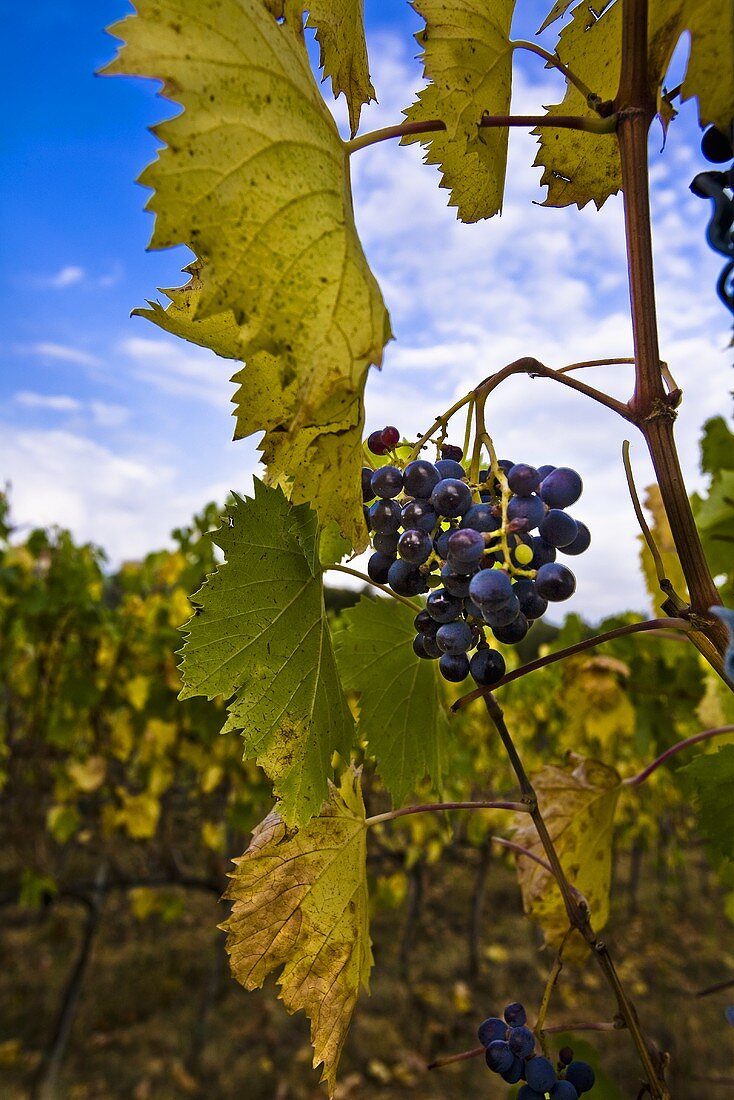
[
  {"x": 339, "y": 28},
  {"x": 710, "y": 72},
  {"x": 87, "y": 774},
  {"x": 663, "y": 536},
  {"x": 62, "y": 822},
  {"x": 255, "y": 179},
  {"x": 137, "y": 690},
  {"x": 582, "y": 166},
  {"x": 300, "y": 903},
  {"x": 213, "y": 835},
  {"x": 468, "y": 59},
  {"x": 262, "y": 636},
  {"x": 578, "y": 803},
  {"x": 138, "y": 814}
]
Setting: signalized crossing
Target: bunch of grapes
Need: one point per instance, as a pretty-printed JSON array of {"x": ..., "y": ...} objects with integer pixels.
[
  {"x": 486, "y": 552},
  {"x": 510, "y": 1051}
]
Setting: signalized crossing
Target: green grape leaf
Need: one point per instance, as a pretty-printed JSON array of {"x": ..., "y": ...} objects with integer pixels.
[
  {"x": 300, "y": 902},
  {"x": 711, "y": 776},
  {"x": 581, "y": 167},
  {"x": 339, "y": 28},
  {"x": 468, "y": 59},
  {"x": 710, "y": 72},
  {"x": 254, "y": 178},
  {"x": 261, "y": 637},
  {"x": 717, "y": 446},
  {"x": 578, "y": 802},
  {"x": 401, "y": 712}
]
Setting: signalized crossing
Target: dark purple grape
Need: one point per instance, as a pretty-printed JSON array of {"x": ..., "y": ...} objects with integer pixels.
[
  {"x": 454, "y": 637},
  {"x": 527, "y": 1093},
  {"x": 565, "y": 1056},
  {"x": 716, "y": 146},
  {"x": 487, "y": 667},
  {"x": 425, "y": 647},
  {"x": 500, "y": 615},
  {"x": 441, "y": 542},
  {"x": 366, "y": 515},
  {"x": 386, "y": 542},
  {"x": 530, "y": 509},
  {"x": 449, "y": 467},
  {"x": 515, "y": 1072},
  {"x": 521, "y": 1041},
  {"x": 581, "y": 1076},
  {"x": 431, "y": 646},
  {"x": 498, "y": 1056},
  {"x": 561, "y": 488},
  {"x": 532, "y": 605},
  {"x": 555, "y": 582},
  {"x": 415, "y": 546},
  {"x": 367, "y": 491},
  {"x": 540, "y": 1074},
  {"x": 523, "y": 479},
  {"x": 490, "y": 588},
  {"x": 405, "y": 579},
  {"x": 471, "y": 609},
  {"x": 543, "y": 552},
  {"x": 454, "y": 667},
  {"x": 450, "y": 450},
  {"x": 376, "y": 444},
  {"x": 581, "y": 542},
  {"x": 544, "y": 471},
  {"x": 490, "y": 1029},
  {"x": 465, "y": 547},
  {"x": 442, "y": 606},
  {"x": 385, "y": 515},
  {"x": 419, "y": 478},
  {"x": 419, "y": 515},
  {"x": 423, "y": 622},
  {"x": 390, "y": 436},
  {"x": 513, "y": 632},
  {"x": 522, "y": 550},
  {"x": 455, "y": 583},
  {"x": 481, "y": 517},
  {"x": 558, "y": 528},
  {"x": 378, "y": 567},
  {"x": 451, "y": 497},
  {"x": 563, "y": 1090},
  {"x": 387, "y": 482}
]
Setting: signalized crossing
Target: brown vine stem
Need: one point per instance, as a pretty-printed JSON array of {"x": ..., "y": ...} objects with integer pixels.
[
  {"x": 590, "y": 123},
  {"x": 550, "y": 985},
  {"x": 602, "y": 1025},
  {"x": 577, "y": 912},
  {"x": 705, "y": 735},
  {"x": 651, "y": 625},
  {"x": 718, "y": 988},
  {"x": 555, "y": 62},
  {"x": 438, "y": 807},
  {"x": 448, "y": 1059},
  {"x": 368, "y": 580},
  {"x": 653, "y": 409},
  {"x": 595, "y": 363},
  {"x": 536, "y": 369}
]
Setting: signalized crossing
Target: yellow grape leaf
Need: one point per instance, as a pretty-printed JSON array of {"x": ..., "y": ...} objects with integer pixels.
[
  {"x": 137, "y": 690},
  {"x": 339, "y": 28},
  {"x": 468, "y": 59},
  {"x": 558, "y": 10},
  {"x": 663, "y": 536},
  {"x": 300, "y": 902},
  {"x": 578, "y": 802},
  {"x": 598, "y": 712},
  {"x": 88, "y": 774},
  {"x": 581, "y": 167},
  {"x": 138, "y": 814},
  {"x": 254, "y": 178},
  {"x": 710, "y": 72}
]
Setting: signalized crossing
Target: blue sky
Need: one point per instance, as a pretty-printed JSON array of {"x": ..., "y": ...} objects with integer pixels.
[{"x": 119, "y": 432}]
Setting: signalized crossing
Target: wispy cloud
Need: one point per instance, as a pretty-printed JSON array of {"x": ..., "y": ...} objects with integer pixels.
[
  {"x": 64, "y": 277},
  {"x": 46, "y": 349},
  {"x": 181, "y": 369},
  {"x": 100, "y": 413},
  {"x": 52, "y": 402}
]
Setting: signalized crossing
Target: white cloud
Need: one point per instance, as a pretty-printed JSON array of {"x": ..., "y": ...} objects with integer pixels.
[
  {"x": 54, "y": 403},
  {"x": 101, "y": 413},
  {"x": 184, "y": 370},
  {"x": 64, "y": 277},
  {"x": 46, "y": 349}
]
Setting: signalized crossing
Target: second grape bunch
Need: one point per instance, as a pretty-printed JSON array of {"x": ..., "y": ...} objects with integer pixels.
[{"x": 485, "y": 552}]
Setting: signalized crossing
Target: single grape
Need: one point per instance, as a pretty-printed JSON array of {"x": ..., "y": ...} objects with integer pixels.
[
  {"x": 527, "y": 1093},
  {"x": 530, "y": 509},
  {"x": 565, "y": 1056},
  {"x": 543, "y": 552},
  {"x": 366, "y": 514},
  {"x": 498, "y": 1056},
  {"x": 523, "y": 479},
  {"x": 415, "y": 546},
  {"x": 442, "y": 606},
  {"x": 558, "y": 528},
  {"x": 490, "y": 1029},
  {"x": 555, "y": 582},
  {"x": 487, "y": 667},
  {"x": 581, "y": 542},
  {"x": 540, "y": 1074},
  {"x": 441, "y": 542},
  {"x": 454, "y": 666},
  {"x": 490, "y": 588},
  {"x": 450, "y": 450},
  {"x": 449, "y": 467},
  {"x": 465, "y": 547},
  {"x": 423, "y": 622},
  {"x": 376, "y": 444},
  {"x": 405, "y": 579},
  {"x": 431, "y": 646},
  {"x": 561, "y": 488},
  {"x": 425, "y": 647},
  {"x": 481, "y": 517},
  {"x": 367, "y": 491},
  {"x": 419, "y": 478},
  {"x": 451, "y": 497},
  {"x": 386, "y": 542},
  {"x": 532, "y": 605},
  {"x": 454, "y": 637},
  {"x": 499, "y": 615},
  {"x": 455, "y": 583},
  {"x": 378, "y": 567},
  {"x": 522, "y": 1041},
  {"x": 387, "y": 481},
  {"x": 513, "y": 632},
  {"x": 515, "y": 1072},
  {"x": 515, "y": 1014},
  {"x": 716, "y": 146},
  {"x": 385, "y": 515},
  {"x": 581, "y": 1076},
  {"x": 564, "y": 1090},
  {"x": 544, "y": 471},
  {"x": 390, "y": 436},
  {"x": 419, "y": 515}
]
